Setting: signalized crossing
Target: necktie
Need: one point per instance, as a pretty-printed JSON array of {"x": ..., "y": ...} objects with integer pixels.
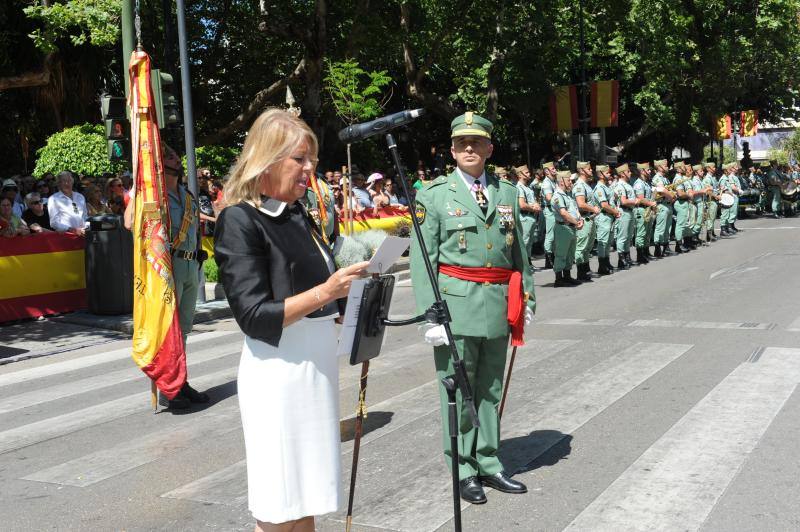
[{"x": 480, "y": 195}]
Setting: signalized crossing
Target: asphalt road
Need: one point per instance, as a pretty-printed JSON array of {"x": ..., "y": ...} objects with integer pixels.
[{"x": 658, "y": 398}]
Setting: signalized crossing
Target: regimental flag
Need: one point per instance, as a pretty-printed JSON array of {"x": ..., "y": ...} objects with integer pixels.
[
  {"x": 749, "y": 123},
  {"x": 564, "y": 108},
  {"x": 722, "y": 127},
  {"x": 157, "y": 342},
  {"x": 605, "y": 103}
]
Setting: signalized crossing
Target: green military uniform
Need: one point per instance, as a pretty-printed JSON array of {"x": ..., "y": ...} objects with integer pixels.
[
  {"x": 644, "y": 227},
  {"x": 458, "y": 232},
  {"x": 528, "y": 220},
  {"x": 312, "y": 203},
  {"x": 548, "y": 187},
  {"x": 773, "y": 179},
  {"x": 663, "y": 222},
  {"x": 710, "y": 180},
  {"x": 735, "y": 210},
  {"x": 604, "y": 223},
  {"x": 726, "y": 216},
  {"x": 185, "y": 271},
  {"x": 625, "y": 223},
  {"x": 565, "y": 233},
  {"x": 586, "y": 235},
  {"x": 698, "y": 202},
  {"x": 539, "y": 229},
  {"x": 681, "y": 184}
]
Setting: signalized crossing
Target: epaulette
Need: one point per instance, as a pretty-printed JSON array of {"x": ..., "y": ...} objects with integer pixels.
[
  {"x": 438, "y": 181},
  {"x": 509, "y": 183}
]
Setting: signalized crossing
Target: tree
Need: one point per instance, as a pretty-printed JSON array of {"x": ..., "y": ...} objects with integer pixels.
[{"x": 80, "y": 149}]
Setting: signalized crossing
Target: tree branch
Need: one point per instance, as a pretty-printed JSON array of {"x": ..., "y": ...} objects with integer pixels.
[
  {"x": 256, "y": 104},
  {"x": 26, "y": 80}
]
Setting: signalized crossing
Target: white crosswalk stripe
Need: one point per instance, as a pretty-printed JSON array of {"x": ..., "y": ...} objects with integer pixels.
[
  {"x": 675, "y": 484},
  {"x": 84, "y": 362}
]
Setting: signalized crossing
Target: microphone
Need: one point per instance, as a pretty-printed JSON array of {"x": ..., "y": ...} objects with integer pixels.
[{"x": 358, "y": 132}]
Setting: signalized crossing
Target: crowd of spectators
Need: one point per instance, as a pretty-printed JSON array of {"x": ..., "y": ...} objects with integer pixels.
[{"x": 59, "y": 203}]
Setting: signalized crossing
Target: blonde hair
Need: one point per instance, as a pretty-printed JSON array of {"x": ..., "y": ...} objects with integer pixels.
[{"x": 271, "y": 139}]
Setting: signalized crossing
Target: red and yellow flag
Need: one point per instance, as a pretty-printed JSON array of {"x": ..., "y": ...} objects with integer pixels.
[
  {"x": 564, "y": 108},
  {"x": 157, "y": 343},
  {"x": 749, "y": 123},
  {"x": 722, "y": 127},
  {"x": 605, "y": 103}
]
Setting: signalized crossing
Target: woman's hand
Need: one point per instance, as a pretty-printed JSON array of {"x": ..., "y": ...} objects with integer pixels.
[{"x": 338, "y": 284}]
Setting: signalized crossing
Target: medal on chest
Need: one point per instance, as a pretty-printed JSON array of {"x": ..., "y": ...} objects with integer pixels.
[
  {"x": 314, "y": 213},
  {"x": 505, "y": 214}
]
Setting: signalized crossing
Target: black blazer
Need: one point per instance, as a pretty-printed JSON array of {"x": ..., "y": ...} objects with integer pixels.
[{"x": 264, "y": 256}]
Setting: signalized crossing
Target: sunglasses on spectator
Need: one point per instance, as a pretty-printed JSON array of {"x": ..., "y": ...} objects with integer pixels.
[
  {"x": 36, "y": 202},
  {"x": 74, "y": 207}
]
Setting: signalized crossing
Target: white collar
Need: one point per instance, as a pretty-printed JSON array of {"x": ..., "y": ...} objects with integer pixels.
[
  {"x": 469, "y": 180},
  {"x": 271, "y": 207}
]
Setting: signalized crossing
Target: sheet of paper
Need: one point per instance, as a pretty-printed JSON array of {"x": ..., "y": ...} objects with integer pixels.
[
  {"x": 390, "y": 250},
  {"x": 348, "y": 332}
]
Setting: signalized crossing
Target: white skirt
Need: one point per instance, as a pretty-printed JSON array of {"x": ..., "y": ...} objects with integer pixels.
[{"x": 289, "y": 399}]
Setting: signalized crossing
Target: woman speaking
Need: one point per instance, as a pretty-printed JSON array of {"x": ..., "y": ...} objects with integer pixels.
[{"x": 283, "y": 287}]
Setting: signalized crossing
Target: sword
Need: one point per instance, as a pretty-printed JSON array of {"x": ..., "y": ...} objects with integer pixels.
[
  {"x": 359, "y": 431},
  {"x": 508, "y": 380}
]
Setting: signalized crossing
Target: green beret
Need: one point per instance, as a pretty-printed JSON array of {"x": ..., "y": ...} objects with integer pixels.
[{"x": 470, "y": 124}]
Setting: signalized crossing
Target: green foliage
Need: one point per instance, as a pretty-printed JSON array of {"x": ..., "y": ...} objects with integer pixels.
[
  {"x": 82, "y": 21},
  {"x": 211, "y": 270},
  {"x": 218, "y": 159},
  {"x": 727, "y": 154},
  {"x": 354, "y": 92},
  {"x": 778, "y": 154},
  {"x": 791, "y": 146},
  {"x": 79, "y": 149}
]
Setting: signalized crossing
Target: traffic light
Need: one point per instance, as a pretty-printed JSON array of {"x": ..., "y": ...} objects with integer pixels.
[
  {"x": 165, "y": 102},
  {"x": 114, "y": 112}
]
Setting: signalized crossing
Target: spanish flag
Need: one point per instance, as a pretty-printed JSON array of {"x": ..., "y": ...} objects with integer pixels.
[
  {"x": 605, "y": 103},
  {"x": 749, "y": 123},
  {"x": 722, "y": 127},
  {"x": 564, "y": 108},
  {"x": 157, "y": 343}
]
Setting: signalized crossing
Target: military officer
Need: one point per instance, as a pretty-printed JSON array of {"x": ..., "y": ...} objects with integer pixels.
[
  {"x": 625, "y": 223},
  {"x": 773, "y": 180},
  {"x": 710, "y": 182},
  {"x": 548, "y": 187},
  {"x": 699, "y": 202},
  {"x": 528, "y": 206},
  {"x": 588, "y": 208},
  {"x": 539, "y": 229},
  {"x": 567, "y": 221},
  {"x": 726, "y": 185},
  {"x": 645, "y": 202},
  {"x": 470, "y": 224},
  {"x": 683, "y": 191},
  {"x": 604, "y": 222},
  {"x": 664, "y": 198},
  {"x": 737, "y": 191},
  {"x": 319, "y": 203}
]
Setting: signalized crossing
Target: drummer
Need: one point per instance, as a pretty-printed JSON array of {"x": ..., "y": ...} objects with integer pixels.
[
  {"x": 710, "y": 181},
  {"x": 727, "y": 200}
]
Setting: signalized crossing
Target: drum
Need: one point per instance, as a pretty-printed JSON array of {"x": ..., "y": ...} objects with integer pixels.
[
  {"x": 789, "y": 190},
  {"x": 726, "y": 199}
]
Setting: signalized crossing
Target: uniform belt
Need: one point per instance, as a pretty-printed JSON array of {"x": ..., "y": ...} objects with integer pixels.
[
  {"x": 516, "y": 298},
  {"x": 626, "y": 208},
  {"x": 185, "y": 255}
]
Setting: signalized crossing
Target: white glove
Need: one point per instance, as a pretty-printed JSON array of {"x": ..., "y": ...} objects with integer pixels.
[
  {"x": 435, "y": 335},
  {"x": 528, "y": 316}
]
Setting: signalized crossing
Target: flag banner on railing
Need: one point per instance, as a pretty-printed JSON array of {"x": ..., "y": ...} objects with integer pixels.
[
  {"x": 605, "y": 103},
  {"x": 722, "y": 127},
  {"x": 749, "y": 123},
  {"x": 564, "y": 108}
]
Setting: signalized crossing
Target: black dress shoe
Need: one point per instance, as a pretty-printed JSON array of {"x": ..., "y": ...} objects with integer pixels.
[
  {"x": 502, "y": 482},
  {"x": 179, "y": 402},
  {"x": 472, "y": 490},
  {"x": 193, "y": 395}
]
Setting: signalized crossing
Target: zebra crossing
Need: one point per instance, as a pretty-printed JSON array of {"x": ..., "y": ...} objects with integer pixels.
[{"x": 674, "y": 484}]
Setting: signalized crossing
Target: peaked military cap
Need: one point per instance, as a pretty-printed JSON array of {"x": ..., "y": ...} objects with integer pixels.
[
  {"x": 523, "y": 168},
  {"x": 660, "y": 162},
  {"x": 697, "y": 167},
  {"x": 601, "y": 168},
  {"x": 563, "y": 174},
  {"x": 582, "y": 164},
  {"x": 622, "y": 168},
  {"x": 711, "y": 164},
  {"x": 679, "y": 165},
  {"x": 470, "y": 124},
  {"x": 500, "y": 171},
  {"x": 642, "y": 166},
  {"x": 549, "y": 164}
]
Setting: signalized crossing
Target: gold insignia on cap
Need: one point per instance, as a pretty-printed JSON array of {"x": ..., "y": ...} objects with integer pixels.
[{"x": 468, "y": 118}]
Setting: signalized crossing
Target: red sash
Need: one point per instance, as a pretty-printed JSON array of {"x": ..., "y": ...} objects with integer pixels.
[{"x": 516, "y": 297}]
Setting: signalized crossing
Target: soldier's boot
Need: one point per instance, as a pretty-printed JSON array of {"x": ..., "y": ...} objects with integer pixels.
[
  {"x": 621, "y": 264},
  {"x": 658, "y": 253},
  {"x": 735, "y": 230},
  {"x": 687, "y": 243},
  {"x": 641, "y": 256},
  {"x": 712, "y": 236},
  {"x": 723, "y": 230},
  {"x": 605, "y": 266},
  {"x": 584, "y": 273},
  {"x": 548, "y": 260},
  {"x": 647, "y": 253},
  {"x": 628, "y": 259},
  {"x": 568, "y": 278},
  {"x": 560, "y": 280},
  {"x": 665, "y": 250}
]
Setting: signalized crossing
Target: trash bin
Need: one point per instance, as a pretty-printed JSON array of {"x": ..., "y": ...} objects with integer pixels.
[{"x": 109, "y": 266}]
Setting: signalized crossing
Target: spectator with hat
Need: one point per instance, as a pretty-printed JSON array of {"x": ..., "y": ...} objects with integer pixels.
[
  {"x": 11, "y": 191},
  {"x": 67, "y": 208}
]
